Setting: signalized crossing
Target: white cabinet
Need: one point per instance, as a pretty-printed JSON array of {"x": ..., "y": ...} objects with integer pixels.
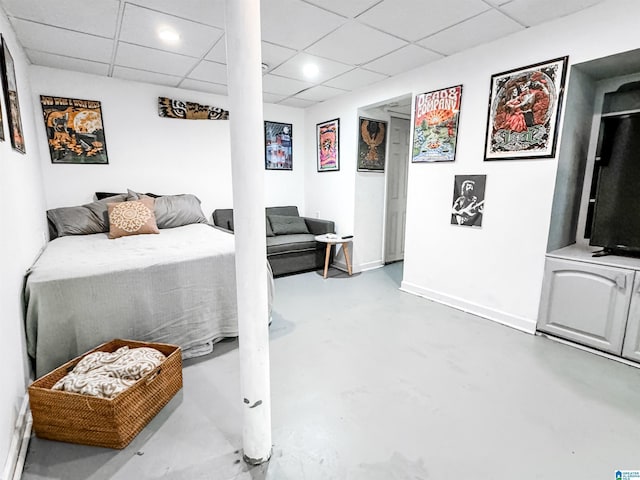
[
  {"x": 592, "y": 301},
  {"x": 631, "y": 347}
]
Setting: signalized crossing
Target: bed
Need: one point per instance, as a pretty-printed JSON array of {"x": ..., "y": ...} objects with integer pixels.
[{"x": 175, "y": 287}]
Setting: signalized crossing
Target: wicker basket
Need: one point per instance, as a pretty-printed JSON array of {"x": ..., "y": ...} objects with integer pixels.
[{"x": 112, "y": 423}]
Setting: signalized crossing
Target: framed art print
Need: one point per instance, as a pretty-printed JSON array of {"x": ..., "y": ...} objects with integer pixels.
[
  {"x": 328, "y": 145},
  {"x": 372, "y": 145},
  {"x": 10, "y": 87},
  {"x": 1, "y": 126},
  {"x": 75, "y": 131},
  {"x": 435, "y": 125},
  {"x": 468, "y": 200},
  {"x": 524, "y": 110},
  {"x": 278, "y": 141}
]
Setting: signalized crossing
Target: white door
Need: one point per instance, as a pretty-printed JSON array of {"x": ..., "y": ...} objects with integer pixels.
[{"x": 397, "y": 169}]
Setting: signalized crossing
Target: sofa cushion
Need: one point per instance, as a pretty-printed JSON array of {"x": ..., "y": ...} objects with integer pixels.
[
  {"x": 287, "y": 225},
  {"x": 291, "y": 243},
  {"x": 267, "y": 223},
  {"x": 291, "y": 211}
]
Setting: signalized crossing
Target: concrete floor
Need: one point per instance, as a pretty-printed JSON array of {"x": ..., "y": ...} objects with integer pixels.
[{"x": 370, "y": 383}]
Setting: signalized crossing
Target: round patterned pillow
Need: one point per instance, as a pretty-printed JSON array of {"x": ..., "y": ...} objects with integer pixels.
[{"x": 132, "y": 217}]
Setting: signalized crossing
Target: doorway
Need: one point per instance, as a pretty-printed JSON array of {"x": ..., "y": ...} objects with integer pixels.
[{"x": 396, "y": 189}]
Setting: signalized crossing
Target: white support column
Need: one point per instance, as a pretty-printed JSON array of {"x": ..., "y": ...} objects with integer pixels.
[{"x": 244, "y": 79}]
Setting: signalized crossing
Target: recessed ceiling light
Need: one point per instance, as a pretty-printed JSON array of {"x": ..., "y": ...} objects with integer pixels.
[
  {"x": 310, "y": 70},
  {"x": 168, "y": 35}
]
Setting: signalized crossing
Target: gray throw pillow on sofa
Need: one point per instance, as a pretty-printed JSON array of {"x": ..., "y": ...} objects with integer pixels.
[{"x": 287, "y": 225}]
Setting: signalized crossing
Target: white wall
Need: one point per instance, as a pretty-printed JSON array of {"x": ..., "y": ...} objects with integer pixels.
[
  {"x": 495, "y": 271},
  {"x": 23, "y": 227},
  {"x": 369, "y": 205},
  {"x": 148, "y": 153}
]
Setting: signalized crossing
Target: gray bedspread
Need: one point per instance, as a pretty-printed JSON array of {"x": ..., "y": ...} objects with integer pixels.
[{"x": 175, "y": 287}]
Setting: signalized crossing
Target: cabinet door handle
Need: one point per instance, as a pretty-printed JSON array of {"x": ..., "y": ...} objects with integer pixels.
[{"x": 621, "y": 281}]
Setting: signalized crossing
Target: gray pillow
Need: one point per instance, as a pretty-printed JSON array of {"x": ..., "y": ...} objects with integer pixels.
[
  {"x": 178, "y": 210},
  {"x": 286, "y": 225},
  {"x": 174, "y": 210},
  {"x": 268, "y": 228},
  {"x": 81, "y": 220}
]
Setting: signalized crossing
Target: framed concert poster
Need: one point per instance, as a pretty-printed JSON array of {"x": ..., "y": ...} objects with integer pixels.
[
  {"x": 75, "y": 131},
  {"x": 278, "y": 141},
  {"x": 524, "y": 111},
  {"x": 372, "y": 145},
  {"x": 435, "y": 125},
  {"x": 328, "y": 144},
  {"x": 10, "y": 87},
  {"x": 468, "y": 200},
  {"x": 1, "y": 126}
]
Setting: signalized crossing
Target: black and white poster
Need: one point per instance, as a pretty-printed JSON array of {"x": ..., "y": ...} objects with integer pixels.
[{"x": 468, "y": 200}]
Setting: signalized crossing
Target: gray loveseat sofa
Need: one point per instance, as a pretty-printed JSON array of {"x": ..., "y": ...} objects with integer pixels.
[{"x": 291, "y": 247}]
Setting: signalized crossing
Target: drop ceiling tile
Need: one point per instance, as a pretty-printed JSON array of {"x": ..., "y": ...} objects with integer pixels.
[
  {"x": 274, "y": 55},
  {"x": 271, "y": 98},
  {"x": 199, "y": 86},
  {"x": 320, "y": 93},
  {"x": 497, "y": 3},
  {"x": 67, "y": 63},
  {"x": 35, "y": 36},
  {"x": 417, "y": 18},
  {"x": 140, "y": 26},
  {"x": 326, "y": 68},
  {"x": 351, "y": 8},
  {"x": 355, "y": 79},
  {"x": 296, "y": 24},
  {"x": 209, "y": 12},
  {"x": 355, "y": 44},
  {"x": 152, "y": 60},
  {"x": 209, "y": 72},
  {"x": 402, "y": 60},
  {"x": 297, "y": 102},
  {"x": 282, "y": 85},
  {"x": 146, "y": 77},
  {"x": 99, "y": 20},
  {"x": 218, "y": 52},
  {"x": 475, "y": 31},
  {"x": 534, "y": 12}
]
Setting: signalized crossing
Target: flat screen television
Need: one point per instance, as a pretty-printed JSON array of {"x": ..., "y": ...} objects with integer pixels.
[{"x": 616, "y": 217}]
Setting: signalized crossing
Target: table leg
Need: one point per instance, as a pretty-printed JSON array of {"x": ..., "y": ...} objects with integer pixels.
[
  {"x": 326, "y": 260},
  {"x": 345, "y": 248}
]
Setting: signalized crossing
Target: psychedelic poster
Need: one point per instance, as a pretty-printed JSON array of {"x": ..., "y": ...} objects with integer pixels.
[
  {"x": 278, "y": 142},
  {"x": 11, "y": 98},
  {"x": 372, "y": 145},
  {"x": 328, "y": 136},
  {"x": 524, "y": 110},
  {"x": 435, "y": 127},
  {"x": 74, "y": 130}
]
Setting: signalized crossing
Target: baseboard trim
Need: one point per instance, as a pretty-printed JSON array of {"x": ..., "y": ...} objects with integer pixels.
[
  {"x": 519, "y": 323},
  {"x": 19, "y": 443},
  {"x": 589, "y": 349},
  {"x": 363, "y": 267}
]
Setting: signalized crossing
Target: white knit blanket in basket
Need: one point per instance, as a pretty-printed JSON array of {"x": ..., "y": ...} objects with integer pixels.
[{"x": 104, "y": 374}]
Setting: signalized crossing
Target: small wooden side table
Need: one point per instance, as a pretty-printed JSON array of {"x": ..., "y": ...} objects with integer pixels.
[{"x": 333, "y": 239}]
